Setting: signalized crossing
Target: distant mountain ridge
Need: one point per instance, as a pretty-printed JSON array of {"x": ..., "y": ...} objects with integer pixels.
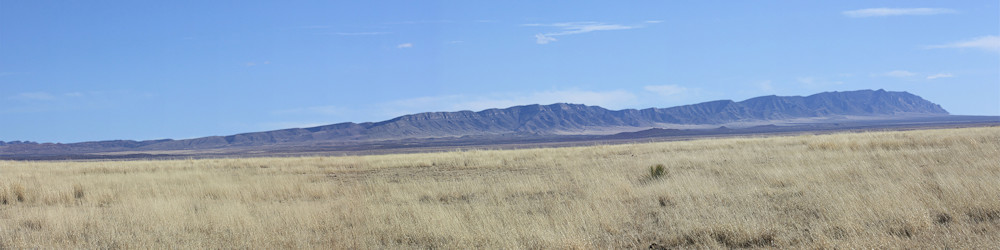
[{"x": 559, "y": 118}]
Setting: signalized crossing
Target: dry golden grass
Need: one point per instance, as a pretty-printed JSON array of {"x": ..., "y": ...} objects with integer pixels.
[{"x": 915, "y": 189}]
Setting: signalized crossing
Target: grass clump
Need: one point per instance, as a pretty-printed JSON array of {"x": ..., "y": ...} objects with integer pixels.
[
  {"x": 78, "y": 191},
  {"x": 656, "y": 171},
  {"x": 18, "y": 192}
]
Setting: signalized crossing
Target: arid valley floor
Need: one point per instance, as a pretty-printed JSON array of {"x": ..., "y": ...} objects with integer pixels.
[{"x": 936, "y": 188}]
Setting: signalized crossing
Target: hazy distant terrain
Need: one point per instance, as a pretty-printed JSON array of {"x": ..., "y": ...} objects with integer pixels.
[
  {"x": 863, "y": 109},
  {"x": 904, "y": 189}
]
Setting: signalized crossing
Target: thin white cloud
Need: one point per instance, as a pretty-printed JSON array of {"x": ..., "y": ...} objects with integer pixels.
[
  {"x": 34, "y": 96},
  {"x": 899, "y": 73},
  {"x": 654, "y": 21},
  {"x": 543, "y": 39},
  {"x": 940, "y": 75},
  {"x": 311, "y": 27},
  {"x": 904, "y": 74},
  {"x": 765, "y": 85},
  {"x": 988, "y": 43},
  {"x": 880, "y": 12},
  {"x": 404, "y": 45},
  {"x": 666, "y": 90},
  {"x": 43, "y": 101},
  {"x": 816, "y": 82},
  {"x": 572, "y": 28},
  {"x": 251, "y": 64},
  {"x": 46, "y": 96},
  {"x": 584, "y": 27},
  {"x": 421, "y": 22},
  {"x": 806, "y": 80},
  {"x": 314, "y": 110},
  {"x": 372, "y": 33}
]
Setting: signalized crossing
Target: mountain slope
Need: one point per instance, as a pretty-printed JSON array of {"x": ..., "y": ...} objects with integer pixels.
[
  {"x": 560, "y": 118},
  {"x": 548, "y": 119}
]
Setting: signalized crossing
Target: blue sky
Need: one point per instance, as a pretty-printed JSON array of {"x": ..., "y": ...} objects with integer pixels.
[{"x": 97, "y": 70}]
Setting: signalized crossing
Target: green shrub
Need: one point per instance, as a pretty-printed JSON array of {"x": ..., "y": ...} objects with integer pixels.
[{"x": 656, "y": 171}]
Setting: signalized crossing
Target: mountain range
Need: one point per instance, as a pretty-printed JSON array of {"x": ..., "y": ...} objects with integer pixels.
[{"x": 539, "y": 120}]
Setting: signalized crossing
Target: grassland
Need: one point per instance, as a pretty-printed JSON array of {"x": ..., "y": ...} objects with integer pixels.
[{"x": 913, "y": 189}]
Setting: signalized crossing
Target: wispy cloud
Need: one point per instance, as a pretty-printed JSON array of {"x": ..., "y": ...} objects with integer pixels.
[
  {"x": 314, "y": 110},
  {"x": 543, "y": 39},
  {"x": 988, "y": 43},
  {"x": 34, "y": 96},
  {"x": 404, "y": 46},
  {"x": 654, "y": 21},
  {"x": 940, "y": 75},
  {"x": 880, "y": 12},
  {"x": 806, "y": 80},
  {"x": 421, "y": 22},
  {"x": 251, "y": 64},
  {"x": 47, "y": 101},
  {"x": 370, "y": 33},
  {"x": 898, "y": 73},
  {"x": 903, "y": 74},
  {"x": 810, "y": 81},
  {"x": 765, "y": 85},
  {"x": 313, "y": 27},
  {"x": 572, "y": 28},
  {"x": 666, "y": 90}
]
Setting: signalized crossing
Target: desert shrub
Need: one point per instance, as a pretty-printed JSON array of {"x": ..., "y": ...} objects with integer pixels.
[
  {"x": 18, "y": 192},
  {"x": 656, "y": 171},
  {"x": 78, "y": 191}
]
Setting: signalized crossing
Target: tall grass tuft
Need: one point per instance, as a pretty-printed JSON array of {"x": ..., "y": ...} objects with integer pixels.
[
  {"x": 18, "y": 191},
  {"x": 656, "y": 171},
  {"x": 78, "y": 191}
]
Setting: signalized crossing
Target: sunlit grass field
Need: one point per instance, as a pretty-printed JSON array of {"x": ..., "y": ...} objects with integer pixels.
[{"x": 912, "y": 189}]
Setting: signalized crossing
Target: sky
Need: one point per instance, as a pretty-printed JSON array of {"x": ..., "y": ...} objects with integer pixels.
[{"x": 74, "y": 71}]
